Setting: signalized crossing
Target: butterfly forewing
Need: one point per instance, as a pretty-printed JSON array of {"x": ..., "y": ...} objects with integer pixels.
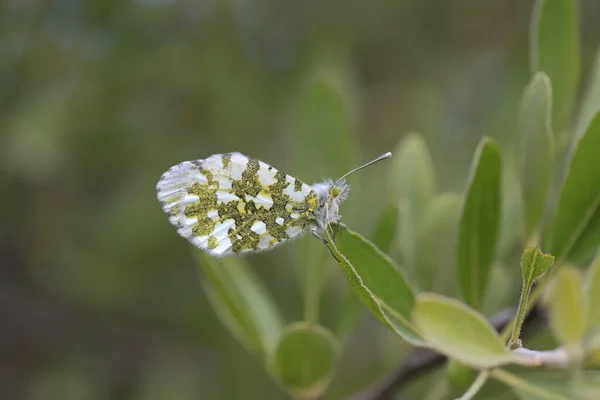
[{"x": 231, "y": 203}]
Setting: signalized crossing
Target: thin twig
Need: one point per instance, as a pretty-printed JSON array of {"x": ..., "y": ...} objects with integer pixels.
[
  {"x": 420, "y": 361},
  {"x": 557, "y": 358},
  {"x": 475, "y": 386}
]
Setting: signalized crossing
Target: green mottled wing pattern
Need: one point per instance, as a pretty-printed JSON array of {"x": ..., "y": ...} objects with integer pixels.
[{"x": 229, "y": 203}]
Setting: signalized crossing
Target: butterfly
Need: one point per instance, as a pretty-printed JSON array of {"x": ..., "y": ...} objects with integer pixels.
[{"x": 232, "y": 204}]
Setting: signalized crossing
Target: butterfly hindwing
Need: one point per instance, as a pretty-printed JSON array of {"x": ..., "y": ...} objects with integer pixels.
[{"x": 229, "y": 203}]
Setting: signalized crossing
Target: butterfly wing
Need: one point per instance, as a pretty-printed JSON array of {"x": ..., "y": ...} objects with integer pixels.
[{"x": 229, "y": 203}]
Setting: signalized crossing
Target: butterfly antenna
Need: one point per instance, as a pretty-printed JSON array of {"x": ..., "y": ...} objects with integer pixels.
[{"x": 381, "y": 157}]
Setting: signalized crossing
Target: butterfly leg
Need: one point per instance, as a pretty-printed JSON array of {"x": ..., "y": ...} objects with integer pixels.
[{"x": 314, "y": 232}]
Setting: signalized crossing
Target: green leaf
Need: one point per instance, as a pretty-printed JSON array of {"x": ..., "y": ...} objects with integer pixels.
[
  {"x": 324, "y": 146},
  {"x": 385, "y": 228},
  {"x": 528, "y": 390},
  {"x": 240, "y": 302},
  {"x": 590, "y": 104},
  {"x": 349, "y": 313},
  {"x": 460, "y": 376},
  {"x": 559, "y": 385},
  {"x": 412, "y": 175},
  {"x": 534, "y": 264},
  {"x": 325, "y": 140},
  {"x": 555, "y": 50},
  {"x": 592, "y": 293},
  {"x": 304, "y": 359},
  {"x": 436, "y": 261},
  {"x": 536, "y": 149},
  {"x": 592, "y": 351},
  {"x": 479, "y": 223},
  {"x": 377, "y": 281},
  {"x": 461, "y": 333},
  {"x": 512, "y": 224},
  {"x": 412, "y": 184},
  {"x": 566, "y": 307},
  {"x": 574, "y": 232}
]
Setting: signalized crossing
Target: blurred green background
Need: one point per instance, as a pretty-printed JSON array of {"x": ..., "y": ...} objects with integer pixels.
[{"x": 99, "y": 297}]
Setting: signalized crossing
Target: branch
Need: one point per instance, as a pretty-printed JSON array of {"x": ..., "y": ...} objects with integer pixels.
[
  {"x": 557, "y": 358},
  {"x": 420, "y": 361}
]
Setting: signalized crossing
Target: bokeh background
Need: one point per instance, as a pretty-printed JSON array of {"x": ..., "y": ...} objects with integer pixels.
[{"x": 99, "y": 298}]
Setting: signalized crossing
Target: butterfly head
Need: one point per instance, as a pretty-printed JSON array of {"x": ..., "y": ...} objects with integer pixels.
[
  {"x": 338, "y": 190},
  {"x": 332, "y": 193}
]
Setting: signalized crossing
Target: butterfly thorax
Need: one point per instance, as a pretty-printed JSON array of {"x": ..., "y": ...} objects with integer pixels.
[{"x": 330, "y": 195}]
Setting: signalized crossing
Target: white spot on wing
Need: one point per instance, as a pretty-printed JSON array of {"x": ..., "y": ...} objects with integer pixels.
[
  {"x": 214, "y": 163},
  {"x": 279, "y": 220},
  {"x": 293, "y": 231},
  {"x": 212, "y": 214},
  {"x": 265, "y": 176},
  {"x": 294, "y": 215},
  {"x": 259, "y": 227},
  {"x": 199, "y": 177},
  {"x": 189, "y": 222},
  {"x": 261, "y": 200},
  {"x": 223, "y": 246},
  {"x": 289, "y": 190},
  {"x": 306, "y": 189},
  {"x": 264, "y": 241},
  {"x": 225, "y": 197},
  {"x": 224, "y": 182},
  {"x": 239, "y": 163},
  {"x": 190, "y": 198},
  {"x": 200, "y": 241},
  {"x": 221, "y": 228}
]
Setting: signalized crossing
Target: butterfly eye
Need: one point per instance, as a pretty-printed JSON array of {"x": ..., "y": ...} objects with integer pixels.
[{"x": 334, "y": 191}]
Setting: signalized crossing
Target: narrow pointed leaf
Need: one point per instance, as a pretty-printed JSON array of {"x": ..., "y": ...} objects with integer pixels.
[
  {"x": 534, "y": 264},
  {"x": 461, "y": 333},
  {"x": 385, "y": 228},
  {"x": 436, "y": 262},
  {"x": 536, "y": 148},
  {"x": 574, "y": 232},
  {"x": 565, "y": 298},
  {"x": 412, "y": 175},
  {"x": 240, "y": 302},
  {"x": 555, "y": 50},
  {"x": 325, "y": 143},
  {"x": 304, "y": 359},
  {"x": 377, "y": 281},
  {"x": 590, "y": 104},
  {"x": 592, "y": 293},
  {"x": 479, "y": 223},
  {"x": 412, "y": 184},
  {"x": 512, "y": 223}
]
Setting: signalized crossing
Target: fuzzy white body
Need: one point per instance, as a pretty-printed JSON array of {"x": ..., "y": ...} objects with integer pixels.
[{"x": 329, "y": 206}]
